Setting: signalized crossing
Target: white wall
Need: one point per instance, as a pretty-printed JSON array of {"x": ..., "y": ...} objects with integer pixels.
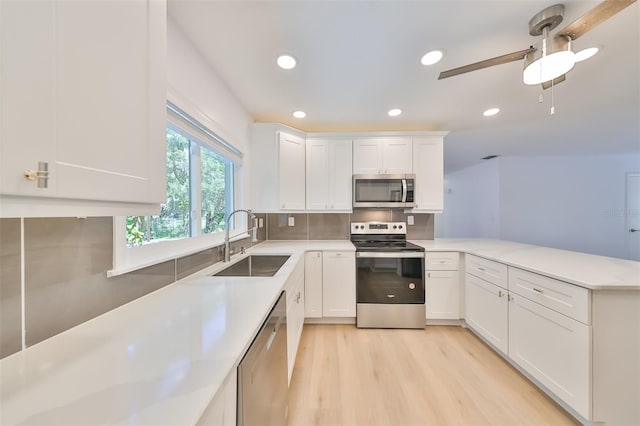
[
  {"x": 572, "y": 203},
  {"x": 471, "y": 203},
  {"x": 196, "y": 88},
  {"x": 567, "y": 202}
]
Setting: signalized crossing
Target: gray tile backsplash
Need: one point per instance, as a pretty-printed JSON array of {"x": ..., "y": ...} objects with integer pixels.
[
  {"x": 10, "y": 288},
  {"x": 278, "y": 226},
  {"x": 66, "y": 260},
  {"x": 329, "y": 226}
]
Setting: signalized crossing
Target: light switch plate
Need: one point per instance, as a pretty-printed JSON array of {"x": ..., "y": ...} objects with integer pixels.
[
  {"x": 260, "y": 222},
  {"x": 410, "y": 220},
  {"x": 292, "y": 221}
]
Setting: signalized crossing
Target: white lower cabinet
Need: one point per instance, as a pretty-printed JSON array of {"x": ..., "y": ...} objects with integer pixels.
[
  {"x": 442, "y": 285},
  {"x": 221, "y": 411},
  {"x": 487, "y": 311},
  {"x": 554, "y": 349},
  {"x": 294, "y": 289},
  {"x": 313, "y": 284},
  {"x": 339, "y": 284}
]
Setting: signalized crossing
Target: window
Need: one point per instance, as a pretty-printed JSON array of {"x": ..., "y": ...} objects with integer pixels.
[
  {"x": 203, "y": 172},
  {"x": 199, "y": 193}
]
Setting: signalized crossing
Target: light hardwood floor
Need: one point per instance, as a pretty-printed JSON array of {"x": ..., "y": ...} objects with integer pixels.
[{"x": 436, "y": 376}]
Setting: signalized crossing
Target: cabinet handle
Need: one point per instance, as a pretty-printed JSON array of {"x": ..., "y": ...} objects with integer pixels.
[
  {"x": 539, "y": 290},
  {"x": 481, "y": 269},
  {"x": 429, "y": 274},
  {"x": 41, "y": 175},
  {"x": 509, "y": 297},
  {"x": 499, "y": 293}
]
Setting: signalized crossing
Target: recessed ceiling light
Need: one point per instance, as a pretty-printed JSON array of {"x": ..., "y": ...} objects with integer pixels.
[
  {"x": 585, "y": 54},
  {"x": 394, "y": 112},
  {"x": 299, "y": 114},
  {"x": 491, "y": 111},
  {"x": 286, "y": 62},
  {"x": 432, "y": 57}
]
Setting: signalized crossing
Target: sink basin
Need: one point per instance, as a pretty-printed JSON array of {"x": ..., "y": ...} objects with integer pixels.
[{"x": 254, "y": 266}]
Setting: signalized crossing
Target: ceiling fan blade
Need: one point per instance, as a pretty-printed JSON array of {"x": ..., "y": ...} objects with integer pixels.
[
  {"x": 504, "y": 59},
  {"x": 594, "y": 17},
  {"x": 554, "y": 82}
]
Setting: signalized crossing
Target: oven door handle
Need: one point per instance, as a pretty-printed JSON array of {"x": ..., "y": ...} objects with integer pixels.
[{"x": 388, "y": 254}]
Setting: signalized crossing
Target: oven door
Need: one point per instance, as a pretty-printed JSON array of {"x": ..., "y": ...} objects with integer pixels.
[{"x": 390, "y": 277}]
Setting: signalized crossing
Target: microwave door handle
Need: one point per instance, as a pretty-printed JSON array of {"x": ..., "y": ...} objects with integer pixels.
[{"x": 404, "y": 190}]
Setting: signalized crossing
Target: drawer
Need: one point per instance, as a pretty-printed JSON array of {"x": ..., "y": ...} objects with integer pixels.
[
  {"x": 442, "y": 260},
  {"x": 494, "y": 272},
  {"x": 565, "y": 298}
]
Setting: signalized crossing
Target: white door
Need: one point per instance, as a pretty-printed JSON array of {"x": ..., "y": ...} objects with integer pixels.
[
  {"x": 487, "y": 311},
  {"x": 339, "y": 284},
  {"x": 633, "y": 215},
  {"x": 340, "y": 175},
  {"x": 366, "y": 157},
  {"x": 443, "y": 295},
  {"x": 553, "y": 348},
  {"x": 428, "y": 166},
  {"x": 291, "y": 168},
  {"x": 313, "y": 284},
  {"x": 396, "y": 156},
  {"x": 318, "y": 175}
]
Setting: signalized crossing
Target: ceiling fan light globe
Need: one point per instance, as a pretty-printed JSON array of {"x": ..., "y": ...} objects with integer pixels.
[{"x": 554, "y": 59}]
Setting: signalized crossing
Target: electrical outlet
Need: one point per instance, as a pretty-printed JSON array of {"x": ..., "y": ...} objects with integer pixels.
[
  {"x": 410, "y": 220},
  {"x": 292, "y": 221}
]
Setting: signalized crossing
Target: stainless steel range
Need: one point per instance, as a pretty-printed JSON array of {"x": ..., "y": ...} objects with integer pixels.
[{"x": 390, "y": 289}]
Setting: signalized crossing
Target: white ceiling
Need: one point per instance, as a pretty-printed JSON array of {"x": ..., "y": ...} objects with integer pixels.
[{"x": 358, "y": 59}]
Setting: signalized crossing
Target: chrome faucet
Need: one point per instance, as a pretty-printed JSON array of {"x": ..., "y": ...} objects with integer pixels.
[{"x": 227, "y": 246}]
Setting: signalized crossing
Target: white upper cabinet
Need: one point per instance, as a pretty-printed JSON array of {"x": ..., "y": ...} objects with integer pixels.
[
  {"x": 428, "y": 166},
  {"x": 291, "y": 168},
  {"x": 382, "y": 155},
  {"x": 328, "y": 171},
  {"x": 83, "y": 99}
]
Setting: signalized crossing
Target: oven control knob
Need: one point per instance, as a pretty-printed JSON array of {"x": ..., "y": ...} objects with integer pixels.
[
  {"x": 395, "y": 227},
  {"x": 412, "y": 286},
  {"x": 400, "y": 226}
]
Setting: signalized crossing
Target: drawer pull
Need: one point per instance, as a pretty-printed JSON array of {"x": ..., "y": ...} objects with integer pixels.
[
  {"x": 539, "y": 290},
  {"x": 480, "y": 268}
]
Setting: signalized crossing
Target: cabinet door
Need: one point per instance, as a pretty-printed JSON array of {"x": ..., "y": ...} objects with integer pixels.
[
  {"x": 339, "y": 284},
  {"x": 221, "y": 411},
  {"x": 103, "y": 123},
  {"x": 340, "y": 175},
  {"x": 487, "y": 311},
  {"x": 291, "y": 168},
  {"x": 313, "y": 284},
  {"x": 295, "y": 314},
  {"x": 428, "y": 166},
  {"x": 554, "y": 349},
  {"x": 443, "y": 295},
  {"x": 27, "y": 95},
  {"x": 396, "y": 156},
  {"x": 367, "y": 156},
  {"x": 318, "y": 175}
]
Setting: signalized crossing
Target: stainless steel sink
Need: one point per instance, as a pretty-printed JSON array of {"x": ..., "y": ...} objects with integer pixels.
[{"x": 254, "y": 266}]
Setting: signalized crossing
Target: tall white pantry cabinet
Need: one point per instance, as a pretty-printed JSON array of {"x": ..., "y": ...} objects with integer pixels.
[{"x": 83, "y": 99}]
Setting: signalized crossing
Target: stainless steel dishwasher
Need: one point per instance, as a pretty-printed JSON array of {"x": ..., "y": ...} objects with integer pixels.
[{"x": 263, "y": 391}]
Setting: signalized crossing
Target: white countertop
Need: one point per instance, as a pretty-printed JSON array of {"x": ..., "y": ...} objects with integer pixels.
[
  {"x": 160, "y": 359},
  {"x": 585, "y": 270}
]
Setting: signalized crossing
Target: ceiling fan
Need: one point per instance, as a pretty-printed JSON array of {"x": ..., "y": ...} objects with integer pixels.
[{"x": 550, "y": 59}]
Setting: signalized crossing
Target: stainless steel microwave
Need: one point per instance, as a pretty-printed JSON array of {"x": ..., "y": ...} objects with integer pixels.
[{"x": 384, "y": 191}]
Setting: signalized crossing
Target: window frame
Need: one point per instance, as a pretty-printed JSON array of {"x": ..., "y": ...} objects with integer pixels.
[{"x": 127, "y": 259}]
